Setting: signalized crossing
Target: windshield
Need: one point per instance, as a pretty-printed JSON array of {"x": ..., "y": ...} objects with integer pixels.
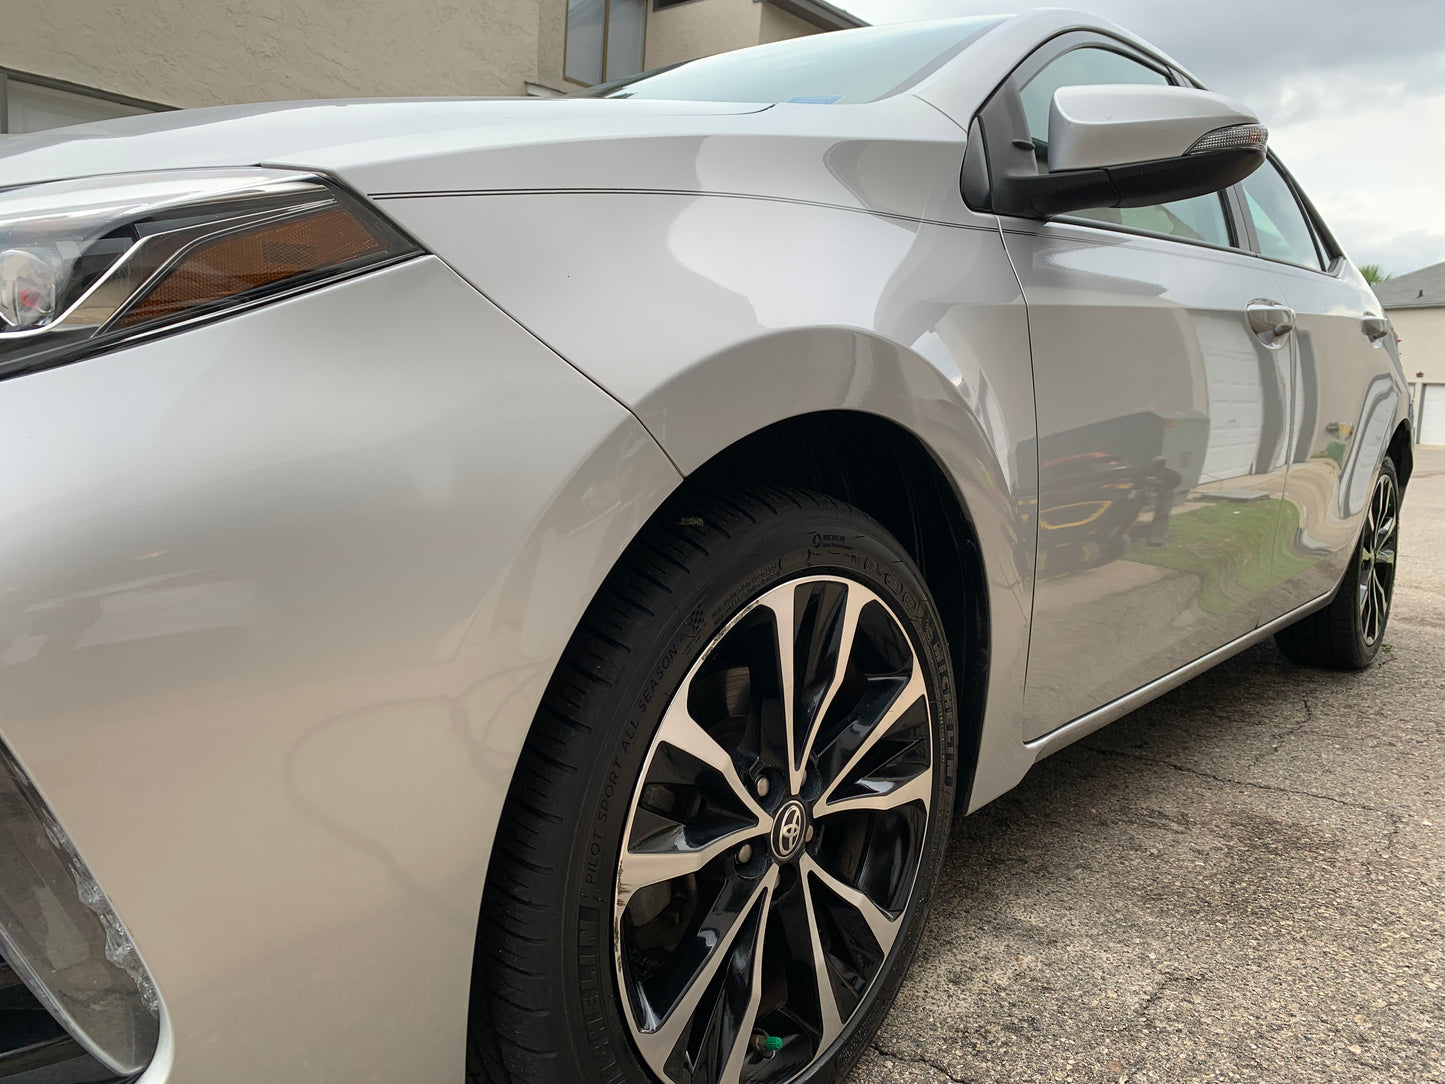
[{"x": 842, "y": 67}]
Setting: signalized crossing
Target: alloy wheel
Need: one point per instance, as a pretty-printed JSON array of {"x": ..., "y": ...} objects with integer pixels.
[
  {"x": 1378, "y": 546},
  {"x": 774, "y": 837}
]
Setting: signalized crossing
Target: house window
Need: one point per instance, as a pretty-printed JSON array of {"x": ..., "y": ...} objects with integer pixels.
[
  {"x": 604, "y": 39},
  {"x": 33, "y": 104}
]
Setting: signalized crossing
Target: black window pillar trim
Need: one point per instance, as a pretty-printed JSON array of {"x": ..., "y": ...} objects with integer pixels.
[{"x": 1241, "y": 224}]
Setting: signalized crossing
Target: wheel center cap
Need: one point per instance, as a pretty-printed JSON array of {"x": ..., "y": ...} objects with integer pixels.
[{"x": 788, "y": 830}]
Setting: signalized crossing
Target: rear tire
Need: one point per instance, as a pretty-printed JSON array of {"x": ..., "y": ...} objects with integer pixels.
[
  {"x": 580, "y": 945},
  {"x": 1347, "y": 634}
]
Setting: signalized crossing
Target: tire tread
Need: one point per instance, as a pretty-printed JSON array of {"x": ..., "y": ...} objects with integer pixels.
[
  {"x": 510, "y": 999},
  {"x": 1330, "y": 638}
]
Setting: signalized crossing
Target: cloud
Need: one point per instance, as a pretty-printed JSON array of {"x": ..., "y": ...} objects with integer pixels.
[
  {"x": 1240, "y": 41},
  {"x": 1354, "y": 97},
  {"x": 1371, "y": 166}
]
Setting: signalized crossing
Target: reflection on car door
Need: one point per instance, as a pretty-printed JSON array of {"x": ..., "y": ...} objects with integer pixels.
[
  {"x": 1345, "y": 398},
  {"x": 1162, "y": 418},
  {"x": 1162, "y": 444}
]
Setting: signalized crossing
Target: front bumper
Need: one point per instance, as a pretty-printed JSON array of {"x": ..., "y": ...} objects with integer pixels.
[{"x": 278, "y": 598}]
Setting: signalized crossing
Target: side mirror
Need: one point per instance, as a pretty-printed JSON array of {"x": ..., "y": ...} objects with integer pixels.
[{"x": 1135, "y": 146}]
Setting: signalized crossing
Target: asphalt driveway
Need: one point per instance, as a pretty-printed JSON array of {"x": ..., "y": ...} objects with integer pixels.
[{"x": 1240, "y": 881}]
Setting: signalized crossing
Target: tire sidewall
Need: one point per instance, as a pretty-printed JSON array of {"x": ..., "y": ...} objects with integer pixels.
[{"x": 789, "y": 545}]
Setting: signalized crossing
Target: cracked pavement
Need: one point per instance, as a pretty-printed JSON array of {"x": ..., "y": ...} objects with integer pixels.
[{"x": 1239, "y": 882}]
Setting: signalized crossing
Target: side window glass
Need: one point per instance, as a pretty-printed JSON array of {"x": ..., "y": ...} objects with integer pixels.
[
  {"x": 1279, "y": 223},
  {"x": 1080, "y": 67},
  {"x": 1199, "y": 219}
]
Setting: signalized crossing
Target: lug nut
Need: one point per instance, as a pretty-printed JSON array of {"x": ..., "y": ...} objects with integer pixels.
[
  {"x": 808, "y": 835},
  {"x": 762, "y": 786},
  {"x": 745, "y": 853}
]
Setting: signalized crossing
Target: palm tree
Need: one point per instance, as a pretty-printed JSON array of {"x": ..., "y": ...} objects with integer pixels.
[{"x": 1373, "y": 274}]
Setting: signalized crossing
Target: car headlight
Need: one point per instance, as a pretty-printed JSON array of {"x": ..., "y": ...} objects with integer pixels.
[
  {"x": 87, "y": 264},
  {"x": 62, "y": 937}
]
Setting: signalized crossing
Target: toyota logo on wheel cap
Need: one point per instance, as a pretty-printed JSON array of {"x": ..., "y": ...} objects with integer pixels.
[{"x": 788, "y": 830}]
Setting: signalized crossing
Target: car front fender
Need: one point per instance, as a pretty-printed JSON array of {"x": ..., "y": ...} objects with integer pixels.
[{"x": 711, "y": 317}]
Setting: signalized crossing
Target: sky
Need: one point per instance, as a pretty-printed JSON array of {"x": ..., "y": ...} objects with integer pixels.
[{"x": 1353, "y": 95}]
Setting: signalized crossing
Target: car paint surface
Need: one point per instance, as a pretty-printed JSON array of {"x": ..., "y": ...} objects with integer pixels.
[
  {"x": 1349, "y": 395},
  {"x": 330, "y": 134},
  {"x": 282, "y": 592},
  {"x": 1141, "y": 352},
  {"x": 281, "y": 595},
  {"x": 918, "y": 322}
]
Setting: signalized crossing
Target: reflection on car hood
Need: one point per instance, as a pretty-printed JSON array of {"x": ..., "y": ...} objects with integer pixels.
[
  {"x": 335, "y": 135},
  {"x": 899, "y": 156}
]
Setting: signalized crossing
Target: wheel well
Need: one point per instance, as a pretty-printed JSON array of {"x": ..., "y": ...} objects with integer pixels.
[
  {"x": 882, "y": 469},
  {"x": 1402, "y": 453}
]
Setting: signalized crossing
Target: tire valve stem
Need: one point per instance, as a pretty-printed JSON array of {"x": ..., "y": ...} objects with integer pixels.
[{"x": 765, "y": 1044}]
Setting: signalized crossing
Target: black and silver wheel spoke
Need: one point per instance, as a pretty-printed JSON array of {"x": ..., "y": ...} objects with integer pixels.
[
  {"x": 850, "y": 937},
  {"x": 852, "y": 749},
  {"x": 816, "y": 626},
  {"x": 664, "y": 842},
  {"x": 774, "y": 837},
  {"x": 1378, "y": 545},
  {"x": 706, "y": 1030}
]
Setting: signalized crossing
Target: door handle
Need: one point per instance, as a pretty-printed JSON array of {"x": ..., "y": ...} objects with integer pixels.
[
  {"x": 1375, "y": 328},
  {"x": 1270, "y": 321}
]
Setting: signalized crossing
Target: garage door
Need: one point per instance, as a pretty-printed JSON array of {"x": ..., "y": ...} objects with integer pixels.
[
  {"x": 1236, "y": 403},
  {"x": 1432, "y": 415}
]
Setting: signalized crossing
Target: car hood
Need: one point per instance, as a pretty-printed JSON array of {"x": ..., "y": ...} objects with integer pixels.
[
  {"x": 353, "y": 138},
  {"x": 899, "y": 156}
]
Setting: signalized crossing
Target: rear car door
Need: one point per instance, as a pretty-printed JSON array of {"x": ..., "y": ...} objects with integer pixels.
[
  {"x": 1162, "y": 417},
  {"x": 1347, "y": 389}
]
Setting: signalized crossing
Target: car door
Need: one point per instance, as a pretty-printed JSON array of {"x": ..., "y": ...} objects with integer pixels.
[
  {"x": 1347, "y": 391},
  {"x": 1162, "y": 420}
]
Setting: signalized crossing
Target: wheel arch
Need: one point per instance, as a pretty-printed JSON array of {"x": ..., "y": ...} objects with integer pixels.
[
  {"x": 881, "y": 468},
  {"x": 1402, "y": 451},
  {"x": 939, "y": 452},
  {"x": 963, "y": 409}
]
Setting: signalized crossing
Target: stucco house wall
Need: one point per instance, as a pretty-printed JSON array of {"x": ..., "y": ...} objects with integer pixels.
[
  {"x": 1415, "y": 304},
  {"x": 213, "y": 52},
  {"x": 188, "y": 53},
  {"x": 1422, "y": 343},
  {"x": 703, "y": 27},
  {"x": 776, "y": 25},
  {"x": 700, "y": 28}
]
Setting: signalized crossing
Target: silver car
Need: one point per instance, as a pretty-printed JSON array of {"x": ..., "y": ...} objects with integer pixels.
[{"x": 518, "y": 590}]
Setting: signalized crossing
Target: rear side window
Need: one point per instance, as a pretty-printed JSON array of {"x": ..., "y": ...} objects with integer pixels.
[
  {"x": 1199, "y": 219},
  {"x": 1279, "y": 223}
]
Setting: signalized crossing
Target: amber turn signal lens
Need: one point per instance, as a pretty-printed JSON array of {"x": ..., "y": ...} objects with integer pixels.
[
  {"x": 266, "y": 256},
  {"x": 89, "y": 264}
]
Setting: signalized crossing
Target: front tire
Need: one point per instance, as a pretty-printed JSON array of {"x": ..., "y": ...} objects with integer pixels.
[
  {"x": 1347, "y": 634},
  {"x": 716, "y": 857}
]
